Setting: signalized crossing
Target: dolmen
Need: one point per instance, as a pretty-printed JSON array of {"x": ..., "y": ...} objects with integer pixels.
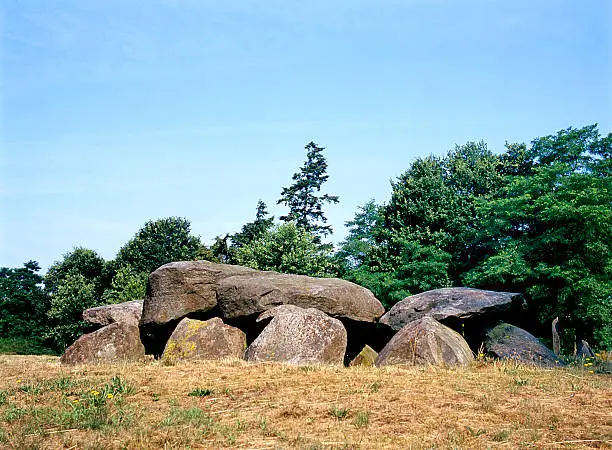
[{"x": 199, "y": 310}]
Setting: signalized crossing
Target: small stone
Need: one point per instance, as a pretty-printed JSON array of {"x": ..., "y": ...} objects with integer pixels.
[{"x": 366, "y": 357}]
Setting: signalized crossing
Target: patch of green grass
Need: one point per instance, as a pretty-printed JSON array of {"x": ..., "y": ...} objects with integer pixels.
[
  {"x": 23, "y": 346},
  {"x": 262, "y": 423},
  {"x": 118, "y": 386},
  {"x": 201, "y": 392},
  {"x": 501, "y": 436},
  {"x": 339, "y": 412},
  {"x": 375, "y": 387},
  {"x": 61, "y": 384},
  {"x": 12, "y": 413},
  {"x": 362, "y": 419},
  {"x": 475, "y": 433},
  {"x": 3, "y": 397},
  {"x": 521, "y": 382},
  {"x": 31, "y": 389},
  {"x": 188, "y": 416}
]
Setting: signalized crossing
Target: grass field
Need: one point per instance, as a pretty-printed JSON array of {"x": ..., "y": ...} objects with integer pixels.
[{"x": 239, "y": 405}]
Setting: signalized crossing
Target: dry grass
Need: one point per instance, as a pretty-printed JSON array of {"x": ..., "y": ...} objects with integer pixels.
[{"x": 235, "y": 404}]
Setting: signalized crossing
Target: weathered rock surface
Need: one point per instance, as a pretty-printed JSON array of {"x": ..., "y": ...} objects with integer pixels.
[
  {"x": 299, "y": 336},
  {"x": 509, "y": 342},
  {"x": 584, "y": 350},
  {"x": 210, "y": 339},
  {"x": 245, "y": 295},
  {"x": 366, "y": 357},
  {"x": 426, "y": 341},
  {"x": 127, "y": 312},
  {"x": 113, "y": 343},
  {"x": 180, "y": 288},
  {"x": 450, "y": 304}
]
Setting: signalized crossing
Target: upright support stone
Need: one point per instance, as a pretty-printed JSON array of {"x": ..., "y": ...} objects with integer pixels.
[{"x": 555, "y": 337}]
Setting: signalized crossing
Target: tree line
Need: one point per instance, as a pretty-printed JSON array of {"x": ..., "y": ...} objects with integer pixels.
[{"x": 534, "y": 218}]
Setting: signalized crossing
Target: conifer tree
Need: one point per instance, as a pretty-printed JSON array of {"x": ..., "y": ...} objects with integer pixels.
[{"x": 305, "y": 205}]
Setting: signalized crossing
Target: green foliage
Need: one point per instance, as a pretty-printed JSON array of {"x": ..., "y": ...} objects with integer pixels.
[
  {"x": 23, "y": 303},
  {"x": 287, "y": 248},
  {"x": 224, "y": 248},
  {"x": 361, "y": 236},
  {"x": 80, "y": 261},
  {"x": 127, "y": 285},
  {"x": 159, "y": 242},
  {"x": 253, "y": 230},
  {"x": 549, "y": 234},
  {"x": 424, "y": 237},
  {"x": 33, "y": 345},
  {"x": 74, "y": 294},
  {"x": 305, "y": 206},
  {"x": 201, "y": 392}
]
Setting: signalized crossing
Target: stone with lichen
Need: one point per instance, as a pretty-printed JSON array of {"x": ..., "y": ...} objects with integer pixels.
[
  {"x": 208, "y": 340},
  {"x": 366, "y": 357}
]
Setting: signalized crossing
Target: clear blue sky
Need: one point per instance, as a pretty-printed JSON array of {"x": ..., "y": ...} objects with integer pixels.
[{"x": 115, "y": 112}]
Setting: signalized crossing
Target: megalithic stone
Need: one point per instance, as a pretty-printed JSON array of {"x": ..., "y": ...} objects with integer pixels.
[{"x": 555, "y": 337}]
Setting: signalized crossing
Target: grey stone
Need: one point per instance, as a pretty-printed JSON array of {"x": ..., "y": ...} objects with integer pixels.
[
  {"x": 113, "y": 343},
  {"x": 425, "y": 341},
  {"x": 506, "y": 341},
  {"x": 180, "y": 288},
  {"x": 452, "y": 304},
  {"x": 300, "y": 337},
  {"x": 240, "y": 296},
  {"x": 127, "y": 312}
]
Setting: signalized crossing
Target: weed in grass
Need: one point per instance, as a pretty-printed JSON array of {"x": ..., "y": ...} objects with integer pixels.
[
  {"x": 501, "y": 436},
  {"x": 188, "y": 416},
  {"x": 118, "y": 386},
  {"x": 521, "y": 382},
  {"x": 88, "y": 412},
  {"x": 362, "y": 419},
  {"x": 155, "y": 397},
  {"x": 553, "y": 422},
  {"x": 262, "y": 423},
  {"x": 61, "y": 384},
  {"x": 30, "y": 389},
  {"x": 12, "y": 413},
  {"x": 474, "y": 433},
  {"x": 227, "y": 391},
  {"x": 375, "y": 387},
  {"x": 3, "y": 437},
  {"x": 3, "y": 396},
  {"x": 339, "y": 413},
  {"x": 230, "y": 433},
  {"x": 200, "y": 392}
]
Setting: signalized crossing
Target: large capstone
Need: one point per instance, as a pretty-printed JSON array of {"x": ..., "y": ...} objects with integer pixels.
[
  {"x": 452, "y": 306},
  {"x": 239, "y": 296},
  {"x": 425, "y": 341},
  {"x": 299, "y": 336},
  {"x": 180, "y": 288},
  {"x": 177, "y": 290}
]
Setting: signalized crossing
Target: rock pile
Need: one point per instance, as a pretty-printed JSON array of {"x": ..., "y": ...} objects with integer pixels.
[{"x": 203, "y": 310}]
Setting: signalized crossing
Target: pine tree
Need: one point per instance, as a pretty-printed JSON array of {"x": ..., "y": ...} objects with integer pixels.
[
  {"x": 305, "y": 206},
  {"x": 252, "y": 230}
]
